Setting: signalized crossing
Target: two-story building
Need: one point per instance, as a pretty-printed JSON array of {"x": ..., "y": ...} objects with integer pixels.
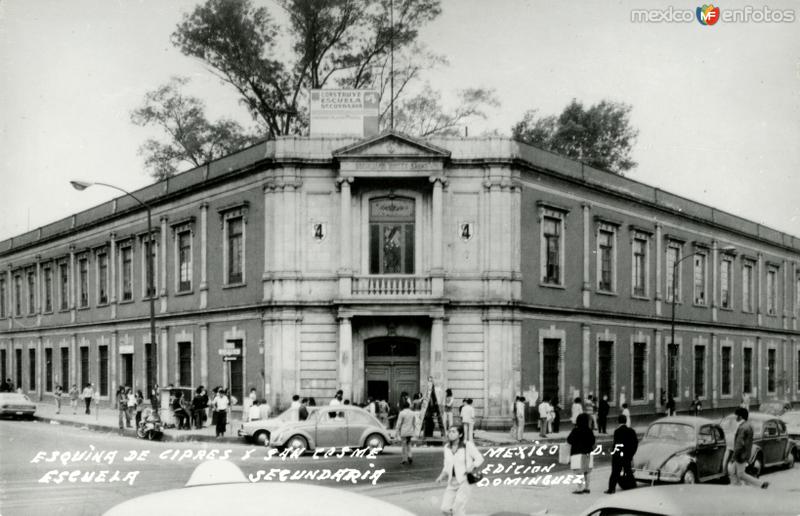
[{"x": 307, "y": 265}]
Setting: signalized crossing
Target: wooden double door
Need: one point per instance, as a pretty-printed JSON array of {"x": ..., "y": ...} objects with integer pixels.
[{"x": 392, "y": 367}]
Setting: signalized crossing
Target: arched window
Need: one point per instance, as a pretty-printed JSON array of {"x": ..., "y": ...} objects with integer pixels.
[{"x": 391, "y": 235}]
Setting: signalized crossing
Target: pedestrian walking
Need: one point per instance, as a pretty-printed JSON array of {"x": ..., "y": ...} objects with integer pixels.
[
  {"x": 670, "y": 405},
  {"x": 589, "y": 408},
  {"x": 221, "y": 406},
  {"x": 87, "y": 395},
  {"x": 519, "y": 417},
  {"x": 577, "y": 408},
  {"x": 627, "y": 413},
  {"x": 745, "y": 400},
  {"x": 581, "y": 441},
  {"x": 742, "y": 448},
  {"x": 603, "y": 409},
  {"x": 406, "y": 430},
  {"x": 544, "y": 416},
  {"x": 139, "y": 407},
  {"x": 131, "y": 403},
  {"x": 468, "y": 419},
  {"x": 199, "y": 405},
  {"x": 461, "y": 459},
  {"x": 73, "y": 398},
  {"x": 57, "y": 395},
  {"x": 625, "y": 445},
  {"x": 122, "y": 405},
  {"x": 449, "y": 403}
]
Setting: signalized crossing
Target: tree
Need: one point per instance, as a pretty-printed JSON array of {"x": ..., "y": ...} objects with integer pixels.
[
  {"x": 424, "y": 115},
  {"x": 600, "y": 136},
  {"x": 192, "y": 138},
  {"x": 343, "y": 43}
]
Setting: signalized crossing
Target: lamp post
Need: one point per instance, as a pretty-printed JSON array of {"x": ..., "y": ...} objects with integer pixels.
[
  {"x": 726, "y": 249},
  {"x": 83, "y": 185}
]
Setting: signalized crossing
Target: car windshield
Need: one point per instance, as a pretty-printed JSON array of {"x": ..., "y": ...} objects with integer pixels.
[{"x": 672, "y": 432}]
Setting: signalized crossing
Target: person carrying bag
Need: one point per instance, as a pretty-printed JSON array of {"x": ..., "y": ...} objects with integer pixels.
[{"x": 461, "y": 462}]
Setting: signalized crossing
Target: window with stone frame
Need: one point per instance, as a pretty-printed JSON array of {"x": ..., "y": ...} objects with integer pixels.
[
  {"x": 149, "y": 247},
  {"x": 126, "y": 271},
  {"x": 747, "y": 285},
  {"x": 63, "y": 285},
  {"x": 47, "y": 272},
  {"x": 32, "y": 369},
  {"x": 605, "y": 369},
  {"x": 726, "y": 282},
  {"x": 3, "y": 309},
  {"x": 185, "y": 363},
  {"x": 771, "y": 365},
  {"x": 639, "y": 273},
  {"x": 392, "y": 230},
  {"x": 725, "y": 384},
  {"x": 700, "y": 278},
  {"x": 102, "y": 353},
  {"x": 31, "y": 276},
  {"x": 18, "y": 294},
  {"x": 639, "y": 371},
  {"x": 673, "y": 283},
  {"x": 747, "y": 369},
  {"x": 606, "y": 257},
  {"x": 772, "y": 290},
  {"x": 48, "y": 369},
  {"x": 83, "y": 282},
  {"x": 102, "y": 279},
  {"x": 234, "y": 238},
  {"x": 552, "y": 224},
  {"x": 183, "y": 255},
  {"x": 700, "y": 371}
]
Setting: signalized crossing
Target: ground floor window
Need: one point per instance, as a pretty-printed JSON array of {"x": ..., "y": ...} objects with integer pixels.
[
  {"x": 65, "y": 368},
  {"x": 747, "y": 370},
  {"x": 32, "y": 369},
  {"x": 550, "y": 370},
  {"x": 771, "y": 355},
  {"x": 185, "y": 363},
  {"x": 127, "y": 370},
  {"x": 102, "y": 352},
  {"x": 726, "y": 371},
  {"x": 84, "y": 365},
  {"x": 639, "y": 368},
  {"x": 605, "y": 368},
  {"x": 3, "y": 359},
  {"x": 18, "y": 367},
  {"x": 672, "y": 371},
  {"x": 48, "y": 369},
  {"x": 236, "y": 372},
  {"x": 699, "y": 371}
]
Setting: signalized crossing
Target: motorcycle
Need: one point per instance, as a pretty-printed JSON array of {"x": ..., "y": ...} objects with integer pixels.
[{"x": 150, "y": 429}]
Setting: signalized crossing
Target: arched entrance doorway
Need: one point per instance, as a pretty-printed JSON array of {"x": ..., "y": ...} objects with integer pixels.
[{"x": 391, "y": 367}]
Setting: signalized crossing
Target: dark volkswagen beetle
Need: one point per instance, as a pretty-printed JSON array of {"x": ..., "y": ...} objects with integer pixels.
[
  {"x": 681, "y": 449},
  {"x": 771, "y": 443}
]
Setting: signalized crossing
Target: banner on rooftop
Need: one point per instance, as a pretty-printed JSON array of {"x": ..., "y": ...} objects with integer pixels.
[{"x": 344, "y": 113}]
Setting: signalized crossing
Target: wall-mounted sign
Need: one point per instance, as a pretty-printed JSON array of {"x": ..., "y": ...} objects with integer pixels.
[
  {"x": 227, "y": 352},
  {"x": 466, "y": 230},
  {"x": 319, "y": 230},
  {"x": 125, "y": 349},
  {"x": 344, "y": 112}
]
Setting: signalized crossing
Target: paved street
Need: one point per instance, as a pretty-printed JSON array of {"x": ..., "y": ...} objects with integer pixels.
[{"x": 28, "y": 449}]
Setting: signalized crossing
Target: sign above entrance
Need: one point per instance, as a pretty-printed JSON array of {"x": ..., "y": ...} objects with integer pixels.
[
  {"x": 125, "y": 349},
  {"x": 230, "y": 352},
  {"x": 344, "y": 112},
  {"x": 228, "y": 358}
]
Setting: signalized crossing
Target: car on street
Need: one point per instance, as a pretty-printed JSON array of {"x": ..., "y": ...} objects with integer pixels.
[
  {"x": 219, "y": 487},
  {"x": 683, "y": 449},
  {"x": 260, "y": 430},
  {"x": 771, "y": 443},
  {"x": 697, "y": 500},
  {"x": 16, "y": 405},
  {"x": 775, "y": 407},
  {"x": 339, "y": 426}
]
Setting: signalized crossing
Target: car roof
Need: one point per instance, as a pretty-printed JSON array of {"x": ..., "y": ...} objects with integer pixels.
[
  {"x": 14, "y": 395},
  {"x": 215, "y": 485},
  {"x": 698, "y": 499},
  {"x": 685, "y": 420}
]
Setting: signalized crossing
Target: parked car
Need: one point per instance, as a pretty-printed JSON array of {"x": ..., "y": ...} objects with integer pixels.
[
  {"x": 260, "y": 430},
  {"x": 771, "y": 443},
  {"x": 219, "y": 487},
  {"x": 13, "y": 404},
  {"x": 680, "y": 449},
  {"x": 775, "y": 407},
  {"x": 343, "y": 425},
  {"x": 705, "y": 500}
]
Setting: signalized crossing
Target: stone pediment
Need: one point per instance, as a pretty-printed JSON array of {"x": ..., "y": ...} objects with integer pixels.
[{"x": 391, "y": 145}]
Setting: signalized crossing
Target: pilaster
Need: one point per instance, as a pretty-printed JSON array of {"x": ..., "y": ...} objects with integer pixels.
[
  {"x": 586, "y": 357},
  {"x": 658, "y": 367},
  {"x": 587, "y": 254},
  {"x": 659, "y": 272},
  {"x": 163, "y": 259},
  {"x": 345, "y": 245},
  {"x": 203, "y": 255},
  {"x": 112, "y": 280},
  {"x": 714, "y": 280},
  {"x": 163, "y": 359},
  {"x": 346, "y": 356}
]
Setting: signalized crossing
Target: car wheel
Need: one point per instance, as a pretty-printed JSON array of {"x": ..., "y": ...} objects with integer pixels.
[
  {"x": 689, "y": 477},
  {"x": 297, "y": 442},
  {"x": 375, "y": 441},
  {"x": 758, "y": 465},
  {"x": 261, "y": 438}
]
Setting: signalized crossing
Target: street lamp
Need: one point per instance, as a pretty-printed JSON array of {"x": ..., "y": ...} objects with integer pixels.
[
  {"x": 83, "y": 185},
  {"x": 726, "y": 249}
]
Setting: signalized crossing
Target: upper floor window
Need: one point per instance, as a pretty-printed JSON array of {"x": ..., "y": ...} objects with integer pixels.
[
  {"x": 126, "y": 272},
  {"x": 149, "y": 259},
  {"x": 673, "y": 282},
  {"x": 725, "y": 279},
  {"x": 639, "y": 261},
  {"x": 747, "y": 286},
  {"x": 63, "y": 281},
  {"x": 234, "y": 238},
  {"x": 48, "y": 288},
  {"x": 83, "y": 282},
  {"x": 102, "y": 278},
  {"x": 183, "y": 249},
  {"x": 391, "y": 235},
  {"x": 2, "y": 297},
  {"x": 772, "y": 291},
  {"x": 31, "y": 275},
  {"x": 606, "y": 257},
  {"x": 700, "y": 278},
  {"x": 17, "y": 295},
  {"x": 797, "y": 297},
  {"x": 552, "y": 221}
]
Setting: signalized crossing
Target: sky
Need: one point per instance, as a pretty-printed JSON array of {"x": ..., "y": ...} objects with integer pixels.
[{"x": 717, "y": 106}]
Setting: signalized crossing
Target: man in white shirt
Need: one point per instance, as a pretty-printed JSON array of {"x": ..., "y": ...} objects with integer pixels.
[
  {"x": 544, "y": 413},
  {"x": 337, "y": 400},
  {"x": 468, "y": 418},
  {"x": 295, "y": 407}
]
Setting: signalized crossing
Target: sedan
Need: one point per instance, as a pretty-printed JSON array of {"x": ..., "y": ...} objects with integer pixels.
[
  {"x": 336, "y": 427},
  {"x": 771, "y": 443},
  {"x": 681, "y": 449},
  {"x": 13, "y": 404}
]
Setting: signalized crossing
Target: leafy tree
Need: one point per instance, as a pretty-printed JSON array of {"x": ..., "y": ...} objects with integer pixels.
[
  {"x": 193, "y": 139},
  {"x": 600, "y": 136},
  {"x": 424, "y": 115}
]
